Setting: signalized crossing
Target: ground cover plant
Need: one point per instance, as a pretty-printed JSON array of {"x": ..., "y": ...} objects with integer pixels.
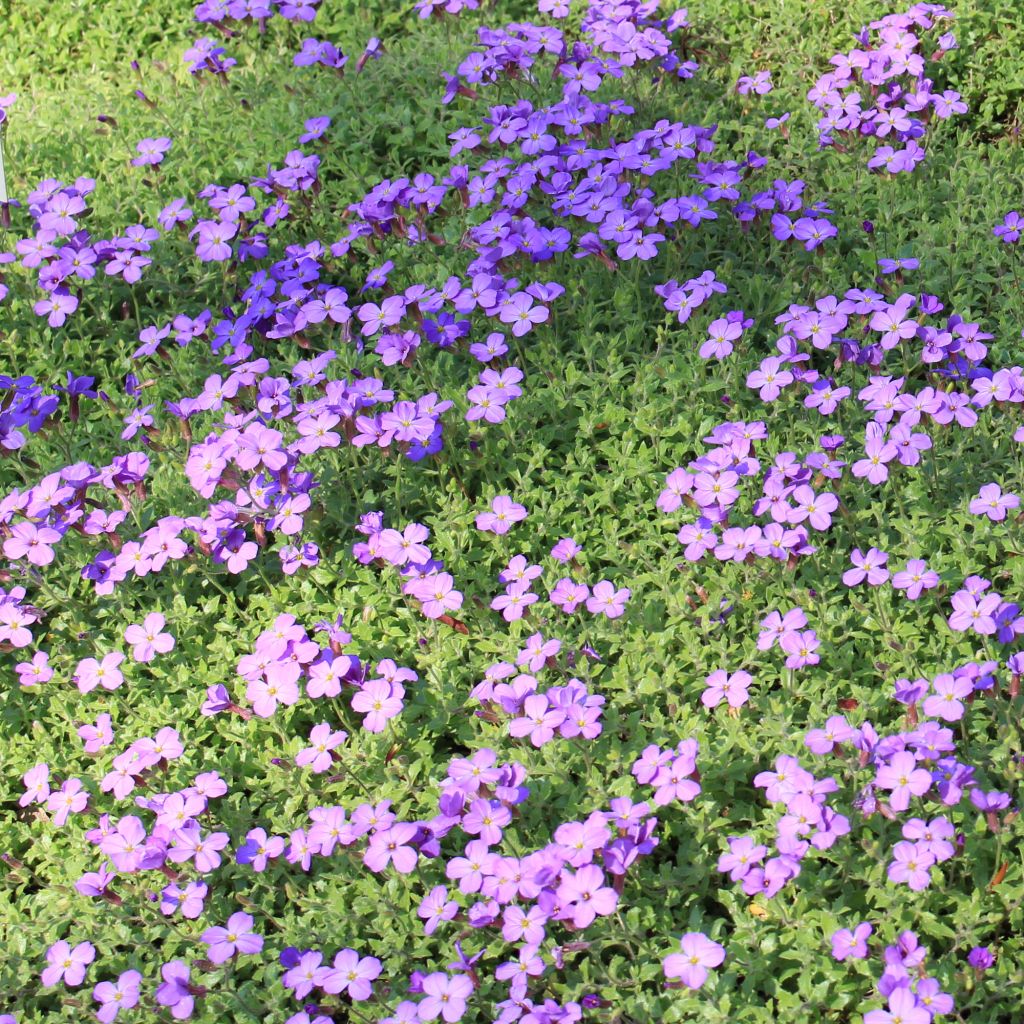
[{"x": 511, "y": 512}]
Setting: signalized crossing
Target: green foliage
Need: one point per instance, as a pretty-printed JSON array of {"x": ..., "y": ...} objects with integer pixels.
[{"x": 617, "y": 397}]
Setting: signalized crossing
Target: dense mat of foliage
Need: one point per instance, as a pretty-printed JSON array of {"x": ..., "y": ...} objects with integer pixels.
[{"x": 511, "y": 513}]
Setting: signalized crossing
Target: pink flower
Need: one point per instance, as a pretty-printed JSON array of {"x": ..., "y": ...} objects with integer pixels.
[
  {"x": 486, "y": 819},
  {"x": 69, "y": 799},
  {"x": 445, "y": 996},
  {"x": 947, "y": 700},
  {"x": 877, "y": 452},
  {"x": 266, "y": 694},
  {"x": 514, "y": 602},
  {"x": 775, "y": 626},
  {"x": 32, "y": 542},
  {"x": 691, "y": 965},
  {"x": 846, "y": 943},
  {"x": 37, "y": 785},
  {"x": 816, "y": 509},
  {"x": 435, "y": 908},
  {"x": 675, "y": 781},
  {"x": 322, "y": 741},
  {"x": 893, "y": 322},
  {"x": 91, "y": 673},
  {"x": 379, "y": 700},
  {"x": 188, "y": 843},
  {"x": 391, "y": 846},
  {"x": 720, "y": 685},
  {"x": 585, "y": 896},
  {"x": 606, "y": 600},
  {"x": 801, "y": 647},
  {"x": 504, "y": 513},
  {"x": 96, "y": 737},
  {"x": 149, "y": 640},
  {"x": 568, "y": 595},
  {"x": 977, "y": 613},
  {"x": 539, "y": 720},
  {"x": 565, "y": 550},
  {"x": 436, "y": 593},
  {"x": 36, "y": 671},
  {"x": 408, "y": 546}
]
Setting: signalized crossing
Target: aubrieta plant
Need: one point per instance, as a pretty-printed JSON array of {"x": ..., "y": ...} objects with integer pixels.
[{"x": 387, "y": 642}]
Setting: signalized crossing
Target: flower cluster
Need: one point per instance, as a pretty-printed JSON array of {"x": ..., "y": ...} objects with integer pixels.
[{"x": 888, "y": 63}]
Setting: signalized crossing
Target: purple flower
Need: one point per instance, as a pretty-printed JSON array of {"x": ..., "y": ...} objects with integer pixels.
[
  {"x": 915, "y": 579},
  {"x": 977, "y": 613},
  {"x": 175, "y": 212},
  {"x": 846, "y": 943},
  {"x": 315, "y": 128},
  {"x": 351, "y": 974},
  {"x": 391, "y": 846},
  {"x": 993, "y": 503},
  {"x": 436, "y": 907},
  {"x": 116, "y": 996},
  {"x": 743, "y": 855},
  {"x": 988, "y": 803},
  {"x": 522, "y": 314},
  {"x": 760, "y": 83},
  {"x": 892, "y": 266},
  {"x": 236, "y": 937},
  {"x": 980, "y": 958},
  {"x": 565, "y": 550},
  {"x": 57, "y": 306},
  {"x": 1010, "y": 230},
  {"x": 189, "y": 900},
  {"x": 902, "y": 776},
  {"x": 214, "y": 243},
  {"x": 175, "y": 991},
  {"x": 903, "y": 1009},
  {"x": 151, "y": 151},
  {"x": 947, "y": 700},
  {"x": 504, "y": 513},
  {"x": 67, "y": 964},
  {"x": 870, "y": 567},
  {"x": 770, "y": 378},
  {"x": 259, "y": 849},
  {"x": 801, "y": 647}
]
